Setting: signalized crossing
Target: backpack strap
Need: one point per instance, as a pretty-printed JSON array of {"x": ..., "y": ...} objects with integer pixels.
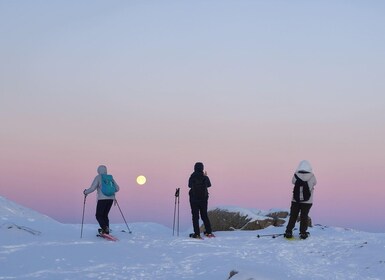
[{"x": 305, "y": 191}]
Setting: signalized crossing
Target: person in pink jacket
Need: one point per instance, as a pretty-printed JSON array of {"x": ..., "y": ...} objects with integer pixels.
[
  {"x": 105, "y": 202},
  {"x": 302, "y": 200}
]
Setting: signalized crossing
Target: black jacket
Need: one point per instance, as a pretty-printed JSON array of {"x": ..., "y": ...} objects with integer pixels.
[{"x": 198, "y": 184}]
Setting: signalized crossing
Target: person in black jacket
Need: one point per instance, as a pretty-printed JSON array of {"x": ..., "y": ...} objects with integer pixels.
[{"x": 198, "y": 184}]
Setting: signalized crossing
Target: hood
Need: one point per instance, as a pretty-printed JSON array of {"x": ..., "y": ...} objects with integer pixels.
[
  {"x": 102, "y": 169},
  {"x": 305, "y": 176},
  {"x": 304, "y": 166},
  {"x": 198, "y": 167}
]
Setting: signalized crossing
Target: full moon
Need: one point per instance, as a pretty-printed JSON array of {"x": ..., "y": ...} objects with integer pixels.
[{"x": 141, "y": 180}]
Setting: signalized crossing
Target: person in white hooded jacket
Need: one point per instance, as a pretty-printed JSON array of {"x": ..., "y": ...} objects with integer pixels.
[
  {"x": 299, "y": 204},
  {"x": 104, "y": 204}
]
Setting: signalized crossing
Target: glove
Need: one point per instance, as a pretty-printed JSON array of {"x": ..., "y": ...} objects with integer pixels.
[{"x": 85, "y": 192}]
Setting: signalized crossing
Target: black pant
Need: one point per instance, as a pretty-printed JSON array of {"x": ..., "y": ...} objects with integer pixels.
[
  {"x": 102, "y": 209},
  {"x": 200, "y": 206},
  {"x": 295, "y": 208}
]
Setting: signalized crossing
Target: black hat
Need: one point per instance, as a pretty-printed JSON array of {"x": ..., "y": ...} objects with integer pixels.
[{"x": 198, "y": 167}]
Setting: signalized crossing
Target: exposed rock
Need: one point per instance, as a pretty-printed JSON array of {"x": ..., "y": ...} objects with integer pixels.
[
  {"x": 278, "y": 214},
  {"x": 233, "y": 218},
  {"x": 232, "y": 273},
  {"x": 258, "y": 224},
  {"x": 225, "y": 219},
  {"x": 222, "y": 220}
]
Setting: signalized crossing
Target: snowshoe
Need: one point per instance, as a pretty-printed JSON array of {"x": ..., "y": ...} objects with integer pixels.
[
  {"x": 304, "y": 235},
  {"x": 196, "y": 236},
  {"x": 209, "y": 235},
  {"x": 107, "y": 236},
  {"x": 106, "y": 230}
]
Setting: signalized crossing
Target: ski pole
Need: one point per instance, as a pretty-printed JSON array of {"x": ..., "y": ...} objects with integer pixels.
[
  {"x": 274, "y": 235},
  {"x": 84, "y": 207},
  {"x": 173, "y": 225},
  {"x": 178, "y": 215},
  {"x": 116, "y": 202}
]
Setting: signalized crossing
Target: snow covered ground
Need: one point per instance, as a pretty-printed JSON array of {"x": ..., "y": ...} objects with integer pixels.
[{"x": 33, "y": 246}]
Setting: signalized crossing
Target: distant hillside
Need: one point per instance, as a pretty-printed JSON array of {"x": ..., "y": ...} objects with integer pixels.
[{"x": 25, "y": 220}]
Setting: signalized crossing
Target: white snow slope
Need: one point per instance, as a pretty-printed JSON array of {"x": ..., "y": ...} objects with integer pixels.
[{"x": 33, "y": 246}]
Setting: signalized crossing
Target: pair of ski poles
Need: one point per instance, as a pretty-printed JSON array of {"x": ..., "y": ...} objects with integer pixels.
[
  {"x": 273, "y": 235},
  {"x": 176, "y": 214},
  {"x": 116, "y": 203},
  {"x": 176, "y": 211}
]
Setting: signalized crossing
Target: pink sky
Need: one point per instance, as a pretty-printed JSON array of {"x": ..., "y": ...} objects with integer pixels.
[{"x": 250, "y": 89}]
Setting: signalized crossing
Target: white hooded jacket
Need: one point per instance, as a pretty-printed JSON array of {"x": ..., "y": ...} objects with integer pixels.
[
  {"x": 305, "y": 173},
  {"x": 96, "y": 185}
]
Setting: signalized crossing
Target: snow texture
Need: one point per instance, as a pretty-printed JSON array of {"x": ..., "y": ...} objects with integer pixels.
[{"x": 33, "y": 246}]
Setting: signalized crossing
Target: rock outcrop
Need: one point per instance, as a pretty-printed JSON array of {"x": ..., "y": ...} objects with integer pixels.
[{"x": 232, "y": 218}]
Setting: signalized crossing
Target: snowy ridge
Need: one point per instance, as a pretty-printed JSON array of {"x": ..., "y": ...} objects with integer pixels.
[
  {"x": 151, "y": 252},
  {"x": 17, "y": 213},
  {"x": 17, "y": 220}
]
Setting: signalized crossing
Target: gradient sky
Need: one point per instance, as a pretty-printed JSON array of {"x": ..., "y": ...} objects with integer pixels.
[{"x": 250, "y": 88}]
